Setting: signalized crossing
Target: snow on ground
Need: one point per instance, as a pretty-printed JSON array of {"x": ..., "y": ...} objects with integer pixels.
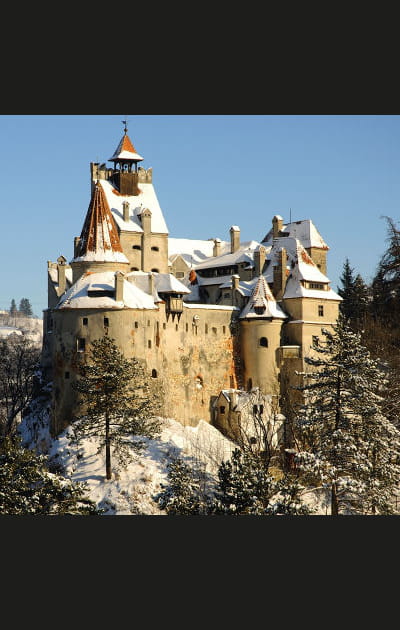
[{"x": 132, "y": 490}]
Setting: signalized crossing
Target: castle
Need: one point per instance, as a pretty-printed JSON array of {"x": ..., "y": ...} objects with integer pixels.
[{"x": 217, "y": 322}]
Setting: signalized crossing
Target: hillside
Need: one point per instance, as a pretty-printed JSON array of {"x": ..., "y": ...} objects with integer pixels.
[{"x": 132, "y": 491}]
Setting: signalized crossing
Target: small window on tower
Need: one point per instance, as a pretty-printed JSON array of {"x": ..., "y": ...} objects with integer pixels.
[
  {"x": 106, "y": 321},
  {"x": 85, "y": 321},
  {"x": 81, "y": 343},
  {"x": 154, "y": 249},
  {"x": 136, "y": 247},
  {"x": 222, "y": 410},
  {"x": 264, "y": 342},
  {"x": 320, "y": 310}
]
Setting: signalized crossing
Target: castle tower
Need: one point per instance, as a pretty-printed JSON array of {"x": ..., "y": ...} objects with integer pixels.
[
  {"x": 98, "y": 245},
  {"x": 260, "y": 337},
  {"x": 126, "y": 158}
]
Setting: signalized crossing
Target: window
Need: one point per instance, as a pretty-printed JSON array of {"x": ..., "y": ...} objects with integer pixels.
[
  {"x": 264, "y": 342},
  {"x": 85, "y": 321},
  {"x": 214, "y": 330},
  {"x": 222, "y": 410},
  {"x": 136, "y": 247},
  {"x": 136, "y": 324},
  {"x": 149, "y": 343},
  {"x": 154, "y": 373},
  {"x": 164, "y": 325},
  {"x": 155, "y": 249},
  {"x": 180, "y": 274},
  {"x": 134, "y": 269},
  {"x": 224, "y": 329},
  {"x": 66, "y": 374},
  {"x": 206, "y": 329},
  {"x": 187, "y": 327},
  {"x": 320, "y": 310},
  {"x": 106, "y": 321},
  {"x": 81, "y": 344},
  {"x": 176, "y": 326},
  {"x": 155, "y": 270},
  {"x": 316, "y": 285}
]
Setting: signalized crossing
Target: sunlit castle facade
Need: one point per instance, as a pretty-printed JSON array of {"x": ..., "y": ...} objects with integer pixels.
[{"x": 215, "y": 322}]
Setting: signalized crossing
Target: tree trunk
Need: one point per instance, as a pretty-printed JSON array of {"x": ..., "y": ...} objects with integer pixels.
[
  {"x": 108, "y": 451},
  {"x": 334, "y": 500}
]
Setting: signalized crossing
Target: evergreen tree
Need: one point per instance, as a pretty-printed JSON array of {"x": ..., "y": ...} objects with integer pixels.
[
  {"x": 355, "y": 294},
  {"x": 244, "y": 488},
  {"x": 119, "y": 402},
  {"x": 347, "y": 443},
  {"x": 182, "y": 495},
  {"x": 13, "y": 307},
  {"x": 25, "y": 307},
  {"x": 28, "y": 487},
  {"x": 346, "y": 291}
]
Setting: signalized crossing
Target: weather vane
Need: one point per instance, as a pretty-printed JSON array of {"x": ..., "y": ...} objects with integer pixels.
[{"x": 125, "y": 125}]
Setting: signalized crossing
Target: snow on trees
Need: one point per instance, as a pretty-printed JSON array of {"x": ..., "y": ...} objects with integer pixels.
[
  {"x": 28, "y": 487},
  {"x": 345, "y": 440},
  {"x": 119, "y": 402}
]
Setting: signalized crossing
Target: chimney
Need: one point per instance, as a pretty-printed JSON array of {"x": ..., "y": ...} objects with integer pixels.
[
  {"x": 61, "y": 275},
  {"x": 280, "y": 275},
  {"x": 235, "y": 286},
  {"x": 119, "y": 286},
  {"x": 145, "y": 218},
  {"x": 77, "y": 241},
  {"x": 125, "y": 206},
  {"x": 259, "y": 260},
  {"x": 233, "y": 397},
  {"x": 217, "y": 247},
  {"x": 277, "y": 225},
  {"x": 235, "y": 238},
  {"x": 151, "y": 283}
]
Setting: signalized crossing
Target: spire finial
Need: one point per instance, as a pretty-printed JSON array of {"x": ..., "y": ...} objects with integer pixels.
[{"x": 125, "y": 125}]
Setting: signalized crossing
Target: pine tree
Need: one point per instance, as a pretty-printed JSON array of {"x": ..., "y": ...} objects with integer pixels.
[
  {"x": 13, "y": 307},
  {"x": 346, "y": 291},
  {"x": 247, "y": 488},
  {"x": 348, "y": 444},
  {"x": 182, "y": 495},
  {"x": 25, "y": 307},
  {"x": 119, "y": 400},
  {"x": 28, "y": 487}
]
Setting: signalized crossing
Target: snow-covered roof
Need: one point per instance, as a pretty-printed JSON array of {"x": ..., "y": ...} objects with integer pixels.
[
  {"x": 262, "y": 298},
  {"x": 54, "y": 275},
  {"x": 245, "y": 286},
  {"x": 126, "y": 151},
  {"x": 305, "y": 231},
  {"x": 245, "y": 253},
  {"x": 162, "y": 283},
  {"x": 295, "y": 289},
  {"x": 194, "y": 251},
  {"x": 146, "y": 198},
  {"x": 78, "y": 296},
  {"x": 99, "y": 240}
]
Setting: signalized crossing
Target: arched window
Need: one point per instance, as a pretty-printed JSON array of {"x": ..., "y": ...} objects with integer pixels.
[
  {"x": 154, "y": 373},
  {"x": 264, "y": 342}
]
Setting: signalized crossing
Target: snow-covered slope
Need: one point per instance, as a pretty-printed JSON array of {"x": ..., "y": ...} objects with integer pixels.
[{"x": 131, "y": 490}]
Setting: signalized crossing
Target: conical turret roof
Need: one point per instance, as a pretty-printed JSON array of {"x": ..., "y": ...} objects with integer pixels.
[
  {"x": 99, "y": 240},
  {"x": 262, "y": 303},
  {"x": 125, "y": 151}
]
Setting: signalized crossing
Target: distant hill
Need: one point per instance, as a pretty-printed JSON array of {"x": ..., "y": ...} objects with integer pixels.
[{"x": 19, "y": 324}]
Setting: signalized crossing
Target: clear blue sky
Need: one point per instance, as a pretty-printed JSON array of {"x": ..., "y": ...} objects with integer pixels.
[{"x": 209, "y": 172}]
